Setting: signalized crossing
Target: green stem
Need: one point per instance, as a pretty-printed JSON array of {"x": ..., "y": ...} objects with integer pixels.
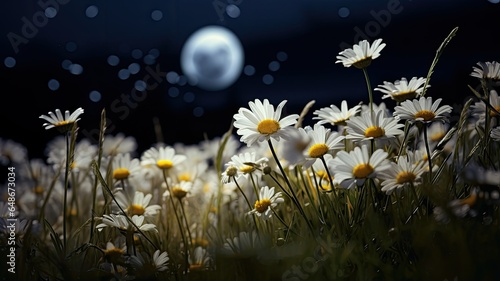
[
  {"x": 66, "y": 185},
  {"x": 429, "y": 158},
  {"x": 368, "y": 85},
  {"x": 294, "y": 196}
]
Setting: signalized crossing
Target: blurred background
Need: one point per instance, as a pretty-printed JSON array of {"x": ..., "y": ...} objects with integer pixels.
[{"x": 143, "y": 62}]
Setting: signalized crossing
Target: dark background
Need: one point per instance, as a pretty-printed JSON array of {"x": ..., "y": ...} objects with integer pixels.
[{"x": 309, "y": 32}]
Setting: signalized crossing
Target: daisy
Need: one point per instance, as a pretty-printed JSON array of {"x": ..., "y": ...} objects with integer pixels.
[
  {"x": 376, "y": 107},
  {"x": 115, "y": 253},
  {"x": 124, "y": 167},
  {"x": 291, "y": 151},
  {"x": 62, "y": 123},
  {"x": 373, "y": 125},
  {"x": 164, "y": 158},
  {"x": 200, "y": 260},
  {"x": 147, "y": 266},
  {"x": 323, "y": 141},
  {"x": 267, "y": 200},
  {"x": 422, "y": 110},
  {"x": 245, "y": 163},
  {"x": 405, "y": 173},
  {"x": 113, "y": 145},
  {"x": 246, "y": 244},
  {"x": 336, "y": 116},
  {"x": 353, "y": 168},
  {"x": 12, "y": 152},
  {"x": 486, "y": 70},
  {"x": 361, "y": 54},
  {"x": 479, "y": 108},
  {"x": 179, "y": 190},
  {"x": 121, "y": 223},
  {"x": 139, "y": 205},
  {"x": 402, "y": 90},
  {"x": 262, "y": 122}
]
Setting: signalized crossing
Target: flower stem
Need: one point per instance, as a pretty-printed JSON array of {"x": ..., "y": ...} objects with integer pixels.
[
  {"x": 368, "y": 85},
  {"x": 294, "y": 196},
  {"x": 66, "y": 185},
  {"x": 427, "y": 149}
]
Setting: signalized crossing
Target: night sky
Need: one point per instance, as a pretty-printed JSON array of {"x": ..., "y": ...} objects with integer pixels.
[{"x": 54, "y": 54}]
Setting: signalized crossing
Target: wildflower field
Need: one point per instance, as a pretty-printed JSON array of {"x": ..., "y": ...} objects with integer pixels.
[{"x": 387, "y": 191}]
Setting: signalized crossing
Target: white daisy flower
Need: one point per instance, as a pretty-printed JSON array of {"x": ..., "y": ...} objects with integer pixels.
[
  {"x": 353, "y": 168},
  {"x": 323, "y": 141},
  {"x": 84, "y": 154},
  {"x": 164, "y": 158},
  {"x": 479, "y": 109},
  {"x": 139, "y": 205},
  {"x": 402, "y": 90},
  {"x": 495, "y": 134},
  {"x": 200, "y": 260},
  {"x": 291, "y": 151},
  {"x": 114, "y": 252},
  {"x": 12, "y": 152},
  {"x": 245, "y": 163},
  {"x": 125, "y": 167},
  {"x": 376, "y": 107},
  {"x": 422, "y": 110},
  {"x": 267, "y": 200},
  {"x": 113, "y": 145},
  {"x": 262, "y": 122},
  {"x": 146, "y": 266},
  {"x": 179, "y": 190},
  {"x": 334, "y": 115},
  {"x": 373, "y": 125},
  {"x": 361, "y": 54},
  {"x": 62, "y": 123},
  {"x": 486, "y": 70},
  {"x": 246, "y": 244},
  {"x": 121, "y": 222},
  {"x": 405, "y": 173}
]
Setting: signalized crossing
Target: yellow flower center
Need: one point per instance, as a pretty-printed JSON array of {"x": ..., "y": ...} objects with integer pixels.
[
  {"x": 231, "y": 171},
  {"x": 200, "y": 242},
  {"x": 493, "y": 113},
  {"x": 121, "y": 173},
  {"x": 113, "y": 255},
  {"x": 340, "y": 122},
  {"x": 363, "y": 63},
  {"x": 437, "y": 136},
  {"x": 323, "y": 175},
  {"x": 374, "y": 132},
  {"x": 427, "y": 115},
  {"x": 247, "y": 169},
  {"x": 268, "y": 126},
  {"x": 362, "y": 170},
  {"x": 196, "y": 266},
  {"x": 262, "y": 205},
  {"x": 164, "y": 164},
  {"x": 136, "y": 209},
  {"x": 405, "y": 177},
  {"x": 178, "y": 192},
  {"x": 318, "y": 150},
  {"x": 184, "y": 177},
  {"x": 62, "y": 123},
  {"x": 402, "y": 96}
]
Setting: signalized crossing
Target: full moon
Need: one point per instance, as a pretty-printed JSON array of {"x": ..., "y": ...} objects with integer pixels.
[{"x": 212, "y": 58}]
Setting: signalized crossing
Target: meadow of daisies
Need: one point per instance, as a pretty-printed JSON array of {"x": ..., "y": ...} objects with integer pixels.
[{"x": 389, "y": 191}]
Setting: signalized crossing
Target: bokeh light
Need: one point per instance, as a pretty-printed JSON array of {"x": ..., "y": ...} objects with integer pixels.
[
  {"x": 53, "y": 84},
  {"x": 113, "y": 60},
  {"x": 9, "y": 62},
  {"x": 95, "y": 96},
  {"x": 156, "y": 15},
  {"x": 91, "y": 11}
]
